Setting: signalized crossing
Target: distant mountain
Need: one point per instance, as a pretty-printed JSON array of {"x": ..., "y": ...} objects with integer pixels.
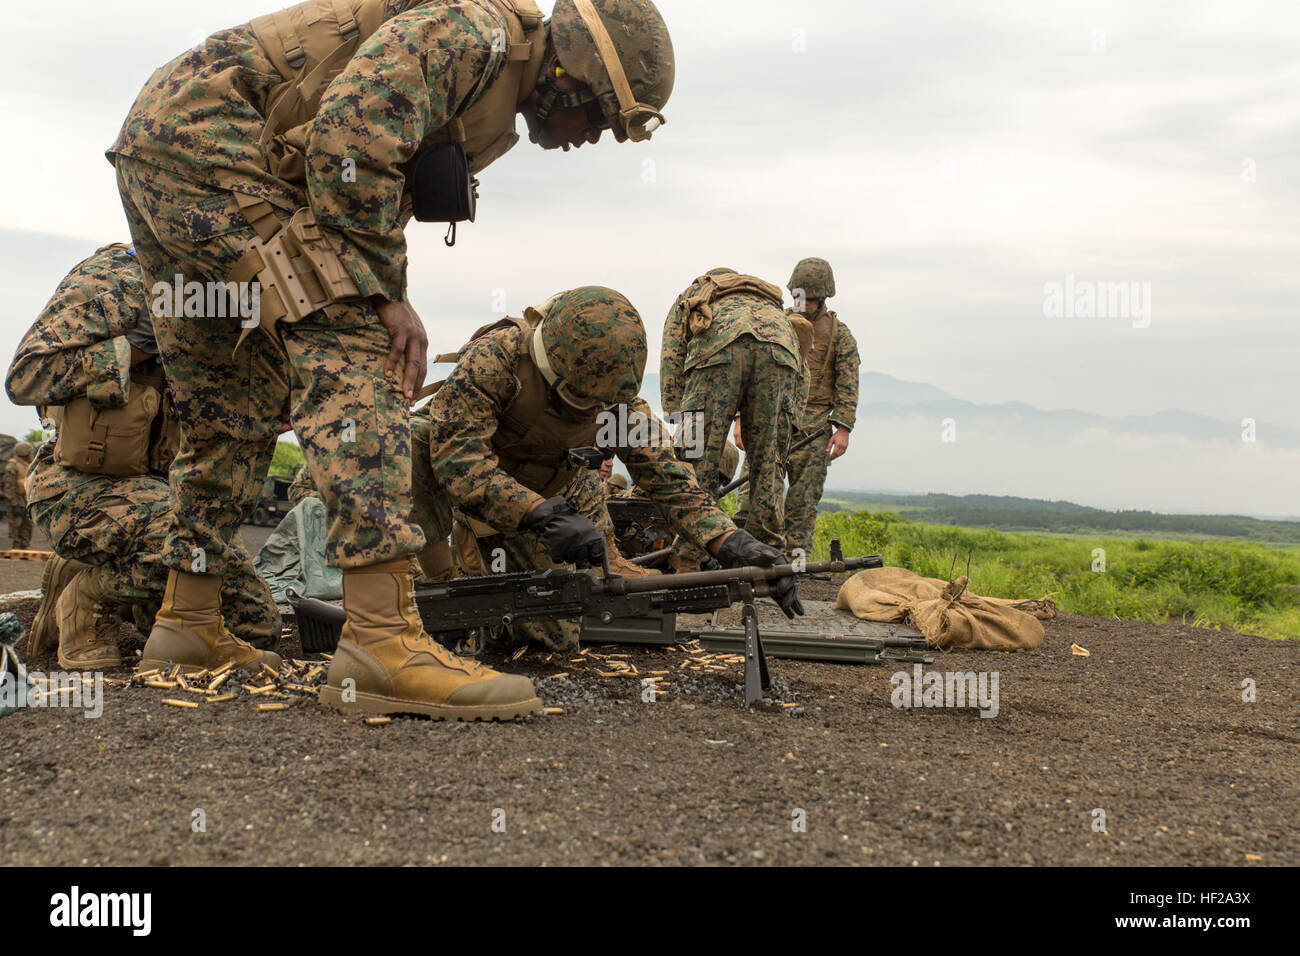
[
  {"x": 878, "y": 387},
  {"x": 872, "y": 387},
  {"x": 1027, "y": 421},
  {"x": 882, "y": 396}
]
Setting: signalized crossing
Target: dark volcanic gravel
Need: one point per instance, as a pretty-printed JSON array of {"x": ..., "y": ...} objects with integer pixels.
[{"x": 1151, "y": 729}]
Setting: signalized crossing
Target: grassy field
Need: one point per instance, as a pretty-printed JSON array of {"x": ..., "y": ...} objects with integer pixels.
[
  {"x": 1231, "y": 585},
  {"x": 1008, "y": 513}
]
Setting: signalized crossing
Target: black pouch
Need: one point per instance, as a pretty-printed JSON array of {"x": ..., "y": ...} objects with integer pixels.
[{"x": 442, "y": 190}]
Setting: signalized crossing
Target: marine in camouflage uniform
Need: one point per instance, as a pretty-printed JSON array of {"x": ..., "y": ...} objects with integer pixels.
[
  {"x": 492, "y": 444},
  {"x": 15, "y": 493},
  {"x": 94, "y": 340},
  {"x": 303, "y": 128},
  {"x": 832, "y": 396},
  {"x": 728, "y": 350}
]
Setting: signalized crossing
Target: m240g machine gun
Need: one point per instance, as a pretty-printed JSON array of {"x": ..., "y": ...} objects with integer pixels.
[{"x": 465, "y": 607}]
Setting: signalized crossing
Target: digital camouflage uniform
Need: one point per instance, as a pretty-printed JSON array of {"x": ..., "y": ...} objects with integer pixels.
[
  {"x": 301, "y": 488},
  {"x": 189, "y": 146},
  {"x": 789, "y": 415},
  {"x": 78, "y": 346},
  {"x": 832, "y": 396},
  {"x": 20, "y": 525},
  {"x": 746, "y": 362},
  {"x": 458, "y": 466}
]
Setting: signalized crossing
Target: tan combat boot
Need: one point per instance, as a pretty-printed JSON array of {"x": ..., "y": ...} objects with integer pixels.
[
  {"x": 435, "y": 561},
  {"x": 386, "y": 663},
  {"x": 87, "y": 627},
  {"x": 188, "y": 630},
  {"x": 45, "y": 625}
]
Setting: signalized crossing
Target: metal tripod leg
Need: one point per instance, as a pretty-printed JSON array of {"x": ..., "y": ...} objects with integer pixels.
[{"x": 757, "y": 678}]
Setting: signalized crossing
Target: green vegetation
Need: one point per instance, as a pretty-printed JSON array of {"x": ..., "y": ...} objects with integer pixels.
[
  {"x": 1028, "y": 514},
  {"x": 35, "y": 437},
  {"x": 1228, "y": 585},
  {"x": 286, "y": 459}
]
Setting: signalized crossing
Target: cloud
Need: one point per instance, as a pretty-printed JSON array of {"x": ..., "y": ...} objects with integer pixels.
[{"x": 948, "y": 158}]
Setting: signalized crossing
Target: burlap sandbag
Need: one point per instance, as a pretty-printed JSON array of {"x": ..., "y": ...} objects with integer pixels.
[{"x": 945, "y": 612}]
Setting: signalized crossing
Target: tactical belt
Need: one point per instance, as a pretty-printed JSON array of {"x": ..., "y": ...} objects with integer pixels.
[{"x": 296, "y": 268}]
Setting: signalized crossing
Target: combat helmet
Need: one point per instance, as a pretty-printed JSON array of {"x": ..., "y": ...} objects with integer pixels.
[
  {"x": 590, "y": 346},
  {"x": 814, "y": 276},
  {"x": 22, "y": 449},
  {"x": 620, "y": 49}
]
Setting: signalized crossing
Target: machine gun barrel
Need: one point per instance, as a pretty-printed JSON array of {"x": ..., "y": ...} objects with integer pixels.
[{"x": 752, "y": 574}]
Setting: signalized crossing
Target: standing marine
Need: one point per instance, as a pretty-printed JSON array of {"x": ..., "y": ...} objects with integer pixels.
[
  {"x": 832, "y": 397},
  {"x": 278, "y": 163},
  {"x": 15, "y": 492},
  {"x": 728, "y": 350}
]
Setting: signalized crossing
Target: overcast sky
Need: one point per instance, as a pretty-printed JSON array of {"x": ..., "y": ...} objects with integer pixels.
[{"x": 948, "y": 158}]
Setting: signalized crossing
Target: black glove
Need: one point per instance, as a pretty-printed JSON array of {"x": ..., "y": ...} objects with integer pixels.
[
  {"x": 742, "y": 549},
  {"x": 566, "y": 535}
]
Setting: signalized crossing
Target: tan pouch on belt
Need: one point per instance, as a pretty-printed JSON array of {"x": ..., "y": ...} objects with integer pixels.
[{"x": 107, "y": 441}]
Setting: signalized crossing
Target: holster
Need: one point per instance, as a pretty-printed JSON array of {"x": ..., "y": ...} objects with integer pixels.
[{"x": 295, "y": 266}]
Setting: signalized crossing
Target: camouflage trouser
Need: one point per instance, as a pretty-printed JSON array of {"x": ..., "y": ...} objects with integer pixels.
[
  {"x": 742, "y": 493},
  {"x": 807, "y": 473},
  {"x": 119, "y": 527},
  {"x": 20, "y": 525},
  {"x": 757, "y": 380},
  {"x": 351, "y": 420},
  {"x": 727, "y": 469},
  {"x": 520, "y": 551}
]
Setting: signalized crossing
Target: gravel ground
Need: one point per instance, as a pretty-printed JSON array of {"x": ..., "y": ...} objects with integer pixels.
[{"x": 1150, "y": 729}]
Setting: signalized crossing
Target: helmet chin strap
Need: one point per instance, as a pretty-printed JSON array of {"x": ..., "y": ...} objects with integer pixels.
[
  {"x": 551, "y": 99},
  {"x": 539, "y": 354},
  {"x": 537, "y": 348}
]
